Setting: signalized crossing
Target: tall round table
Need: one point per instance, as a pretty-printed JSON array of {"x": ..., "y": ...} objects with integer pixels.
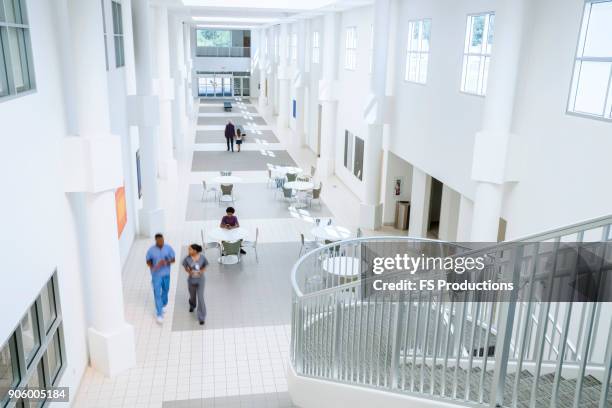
[
  {"x": 330, "y": 232},
  {"x": 300, "y": 186},
  {"x": 229, "y": 235}
]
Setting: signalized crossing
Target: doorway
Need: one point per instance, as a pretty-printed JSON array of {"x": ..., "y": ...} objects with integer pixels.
[
  {"x": 435, "y": 207},
  {"x": 319, "y": 113},
  {"x": 223, "y": 85}
]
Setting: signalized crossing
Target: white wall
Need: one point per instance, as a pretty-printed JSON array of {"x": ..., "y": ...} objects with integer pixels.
[
  {"x": 562, "y": 161},
  {"x": 396, "y": 168},
  {"x": 353, "y": 90},
  {"x": 39, "y": 229},
  {"x": 222, "y": 64}
]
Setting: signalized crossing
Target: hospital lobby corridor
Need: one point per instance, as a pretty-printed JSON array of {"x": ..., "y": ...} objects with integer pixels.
[{"x": 395, "y": 203}]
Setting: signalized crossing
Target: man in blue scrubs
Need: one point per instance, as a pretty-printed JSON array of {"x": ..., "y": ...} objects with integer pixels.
[{"x": 159, "y": 258}]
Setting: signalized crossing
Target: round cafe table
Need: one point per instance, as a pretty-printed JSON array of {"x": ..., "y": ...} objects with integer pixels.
[
  {"x": 344, "y": 266},
  {"x": 227, "y": 179},
  {"x": 280, "y": 171},
  {"x": 229, "y": 235},
  {"x": 330, "y": 232},
  {"x": 300, "y": 186}
]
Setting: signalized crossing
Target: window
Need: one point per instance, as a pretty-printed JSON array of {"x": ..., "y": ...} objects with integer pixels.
[
  {"x": 105, "y": 33},
  {"x": 16, "y": 71},
  {"x": 348, "y": 150},
  {"x": 371, "y": 46},
  {"x": 276, "y": 48},
  {"x": 477, "y": 53},
  {"x": 358, "y": 166},
  {"x": 316, "y": 48},
  {"x": 9, "y": 369},
  {"x": 591, "y": 89},
  {"x": 47, "y": 298},
  {"x": 118, "y": 35},
  {"x": 417, "y": 51},
  {"x": 34, "y": 357},
  {"x": 350, "y": 57},
  {"x": 30, "y": 337},
  {"x": 213, "y": 38},
  {"x": 294, "y": 47}
]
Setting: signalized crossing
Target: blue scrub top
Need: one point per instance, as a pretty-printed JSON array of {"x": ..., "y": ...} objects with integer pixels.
[{"x": 155, "y": 254}]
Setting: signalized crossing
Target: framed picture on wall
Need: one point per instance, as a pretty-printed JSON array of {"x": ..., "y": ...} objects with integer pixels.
[
  {"x": 397, "y": 186},
  {"x": 138, "y": 174}
]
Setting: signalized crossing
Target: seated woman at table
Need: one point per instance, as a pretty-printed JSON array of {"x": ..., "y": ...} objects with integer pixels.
[{"x": 229, "y": 221}]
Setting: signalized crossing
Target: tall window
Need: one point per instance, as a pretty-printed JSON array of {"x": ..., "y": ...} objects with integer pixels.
[
  {"x": 105, "y": 33},
  {"x": 294, "y": 46},
  {"x": 417, "y": 51},
  {"x": 371, "y": 46},
  {"x": 350, "y": 55},
  {"x": 118, "y": 34},
  {"x": 276, "y": 47},
  {"x": 16, "y": 69},
  {"x": 36, "y": 342},
  {"x": 477, "y": 53},
  {"x": 591, "y": 91},
  {"x": 316, "y": 48}
]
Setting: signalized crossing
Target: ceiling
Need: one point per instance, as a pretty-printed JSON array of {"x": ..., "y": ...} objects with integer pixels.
[{"x": 253, "y": 14}]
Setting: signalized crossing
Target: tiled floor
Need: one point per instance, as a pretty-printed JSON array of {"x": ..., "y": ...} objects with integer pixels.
[{"x": 238, "y": 359}]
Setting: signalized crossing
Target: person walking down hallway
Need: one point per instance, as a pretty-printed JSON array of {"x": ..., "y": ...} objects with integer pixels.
[
  {"x": 159, "y": 258},
  {"x": 195, "y": 265},
  {"x": 239, "y": 137},
  {"x": 230, "y": 132}
]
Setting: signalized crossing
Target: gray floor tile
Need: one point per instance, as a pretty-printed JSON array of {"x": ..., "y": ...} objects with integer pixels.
[
  {"x": 217, "y": 136},
  {"x": 216, "y": 101},
  {"x": 243, "y": 161},
  {"x": 236, "y": 120},
  {"x": 252, "y": 201},
  {"x": 268, "y": 400},
  {"x": 218, "y": 108},
  {"x": 260, "y": 291}
]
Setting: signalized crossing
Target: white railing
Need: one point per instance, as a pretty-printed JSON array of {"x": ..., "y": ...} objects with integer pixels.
[
  {"x": 465, "y": 347},
  {"x": 232, "y": 52}
]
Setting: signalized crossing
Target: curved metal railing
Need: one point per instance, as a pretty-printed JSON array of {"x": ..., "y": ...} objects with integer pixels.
[{"x": 518, "y": 348}]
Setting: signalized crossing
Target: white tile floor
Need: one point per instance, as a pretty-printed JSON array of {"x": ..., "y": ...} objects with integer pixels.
[{"x": 215, "y": 362}]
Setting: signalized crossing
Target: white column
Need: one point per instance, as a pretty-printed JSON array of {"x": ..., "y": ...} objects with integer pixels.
[
  {"x": 370, "y": 213},
  {"x": 328, "y": 96},
  {"x": 449, "y": 213},
  {"x": 419, "y": 203},
  {"x": 144, "y": 113},
  {"x": 464, "y": 223},
  {"x": 264, "y": 49},
  {"x": 164, "y": 87},
  {"x": 94, "y": 168},
  {"x": 490, "y": 147},
  {"x": 177, "y": 61},
  {"x": 299, "y": 82},
  {"x": 189, "y": 99},
  {"x": 283, "y": 78}
]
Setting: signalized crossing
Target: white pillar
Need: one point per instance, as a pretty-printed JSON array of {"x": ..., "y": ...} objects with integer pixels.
[
  {"x": 370, "y": 213},
  {"x": 264, "y": 48},
  {"x": 449, "y": 214},
  {"x": 177, "y": 61},
  {"x": 111, "y": 338},
  {"x": 165, "y": 91},
  {"x": 419, "y": 203},
  {"x": 189, "y": 98},
  {"x": 464, "y": 223},
  {"x": 283, "y": 78},
  {"x": 299, "y": 82},
  {"x": 144, "y": 113},
  {"x": 490, "y": 145},
  {"x": 328, "y": 96}
]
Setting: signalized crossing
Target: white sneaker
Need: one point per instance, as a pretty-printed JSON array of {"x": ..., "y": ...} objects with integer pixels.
[{"x": 159, "y": 319}]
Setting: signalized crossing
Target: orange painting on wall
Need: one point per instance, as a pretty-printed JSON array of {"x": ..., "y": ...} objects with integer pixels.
[{"x": 121, "y": 207}]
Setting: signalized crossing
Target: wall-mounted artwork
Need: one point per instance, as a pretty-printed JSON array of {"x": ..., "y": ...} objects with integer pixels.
[
  {"x": 397, "y": 187},
  {"x": 138, "y": 174},
  {"x": 121, "y": 207},
  {"x": 294, "y": 109}
]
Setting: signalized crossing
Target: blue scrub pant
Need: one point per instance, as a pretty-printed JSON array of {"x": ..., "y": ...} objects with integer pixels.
[{"x": 161, "y": 286}]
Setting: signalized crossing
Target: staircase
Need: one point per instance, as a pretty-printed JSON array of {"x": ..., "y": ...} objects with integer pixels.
[{"x": 459, "y": 347}]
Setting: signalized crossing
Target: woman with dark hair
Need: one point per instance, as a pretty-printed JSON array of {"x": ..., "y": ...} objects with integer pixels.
[{"x": 195, "y": 265}]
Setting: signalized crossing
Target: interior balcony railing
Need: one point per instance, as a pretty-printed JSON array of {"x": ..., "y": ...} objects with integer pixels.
[
  {"x": 232, "y": 52},
  {"x": 530, "y": 347}
]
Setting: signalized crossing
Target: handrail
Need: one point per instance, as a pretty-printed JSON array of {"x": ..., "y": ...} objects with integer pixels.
[{"x": 466, "y": 348}]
